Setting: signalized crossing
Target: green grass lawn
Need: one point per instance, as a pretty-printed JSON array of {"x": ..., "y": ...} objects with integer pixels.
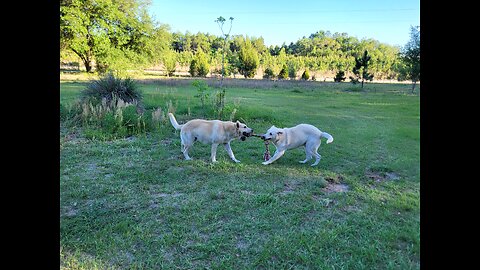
[{"x": 134, "y": 203}]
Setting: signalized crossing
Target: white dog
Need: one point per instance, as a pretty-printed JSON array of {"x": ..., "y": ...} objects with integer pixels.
[
  {"x": 290, "y": 138},
  {"x": 212, "y": 132}
]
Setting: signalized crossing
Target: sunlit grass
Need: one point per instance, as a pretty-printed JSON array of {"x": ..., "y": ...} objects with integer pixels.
[{"x": 135, "y": 203}]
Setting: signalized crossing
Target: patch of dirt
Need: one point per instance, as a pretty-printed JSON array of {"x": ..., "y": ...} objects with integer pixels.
[
  {"x": 335, "y": 184},
  {"x": 335, "y": 179},
  {"x": 381, "y": 176},
  {"x": 332, "y": 187}
]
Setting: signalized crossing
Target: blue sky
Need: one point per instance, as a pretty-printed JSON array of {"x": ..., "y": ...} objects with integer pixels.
[{"x": 387, "y": 21}]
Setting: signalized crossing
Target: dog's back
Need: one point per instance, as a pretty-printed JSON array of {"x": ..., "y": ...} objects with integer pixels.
[{"x": 310, "y": 132}]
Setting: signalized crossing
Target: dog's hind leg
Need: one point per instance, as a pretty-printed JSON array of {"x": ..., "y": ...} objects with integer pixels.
[
  {"x": 185, "y": 151},
  {"x": 186, "y": 144},
  {"x": 317, "y": 159},
  {"x": 308, "y": 156},
  {"x": 314, "y": 151},
  {"x": 230, "y": 152},
  {"x": 312, "y": 148}
]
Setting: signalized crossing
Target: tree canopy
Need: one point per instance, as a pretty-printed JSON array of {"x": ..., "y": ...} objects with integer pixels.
[
  {"x": 113, "y": 34},
  {"x": 108, "y": 35},
  {"x": 410, "y": 56}
]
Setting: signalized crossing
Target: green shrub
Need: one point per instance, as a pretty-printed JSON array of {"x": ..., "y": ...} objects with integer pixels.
[
  {"x": 292, "y": 71},
  {"x": 110, "y": 89},
  {"x": 283, "y": 73},
  {"x": 305, "y": 75},
  {"x": 268, "y": 73},
  {"x": 169, "y": 61},
  {"x": 340, "y": 76},
  {"x": 248, "y": 58},
  {"x": 199, "y": 66}
]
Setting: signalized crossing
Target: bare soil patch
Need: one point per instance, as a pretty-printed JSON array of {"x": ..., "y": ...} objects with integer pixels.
[{"x": 381, "y": 175}]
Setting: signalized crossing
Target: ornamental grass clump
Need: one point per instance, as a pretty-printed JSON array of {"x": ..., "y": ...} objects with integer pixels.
[{"x": 110, "y": 90}]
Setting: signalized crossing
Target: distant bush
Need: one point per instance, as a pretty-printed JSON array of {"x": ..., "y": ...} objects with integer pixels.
[
  {"x": 268, "y": 73},
  {"x": 340, "y": 76},
  {"x": 283, "y": 73},
  {"x": 305, "y": 75},
  {"x": 292, "y": 72},
  {"x": 169, "y": 60},
  {"x": 199, "y": 66},
  {"x": 248, "y": 60}
]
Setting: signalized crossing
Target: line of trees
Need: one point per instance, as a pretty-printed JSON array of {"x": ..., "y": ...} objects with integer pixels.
[{"x": 119, "y": 35}]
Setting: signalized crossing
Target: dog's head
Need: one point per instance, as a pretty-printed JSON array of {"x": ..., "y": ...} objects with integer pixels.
[
  {"x": 273, "y": 133},
  {"x": 243, "y": 130}
]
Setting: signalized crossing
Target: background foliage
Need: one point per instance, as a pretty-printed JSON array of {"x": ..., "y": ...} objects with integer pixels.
[{"x": 119, "y": 36}]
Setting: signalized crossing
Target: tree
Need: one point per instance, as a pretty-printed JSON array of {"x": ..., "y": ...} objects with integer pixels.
[
  {"x": 220, "y": 21},
  {"x": 360, "y": 70},
  {"x": 199, "y": 65},
  {"x": 283, "y": 73},
  {"x": 114, "y": 34},
  {"x": 268, "y": 73},
  {"x": 248, "y": 57},
  {"x": 169, "y": 61},
  {"x": 410, "y": 56},
  {"x": 305, "y": 75}
]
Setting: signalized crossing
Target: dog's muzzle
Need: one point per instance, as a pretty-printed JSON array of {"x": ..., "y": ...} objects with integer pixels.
[
  {"x": 265, "y": 138},
  {"x": 247, "y": 134}
]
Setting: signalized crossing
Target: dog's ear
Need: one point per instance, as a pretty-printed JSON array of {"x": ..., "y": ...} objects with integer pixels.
[{"x": 238, "y": 124}]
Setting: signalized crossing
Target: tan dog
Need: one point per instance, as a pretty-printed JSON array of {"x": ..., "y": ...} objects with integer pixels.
[
  {"x": 212, "y": 132},
  {"x": 294, "y": 137}
]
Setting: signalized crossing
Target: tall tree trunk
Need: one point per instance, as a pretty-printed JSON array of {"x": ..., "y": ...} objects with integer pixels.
[
  {"x": 88, "y": 66},
  {"x": 223, "y": 61},
  {"x": 85, "y": 59}
]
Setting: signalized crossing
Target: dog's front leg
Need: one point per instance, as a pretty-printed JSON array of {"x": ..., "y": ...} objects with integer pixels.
[
  {"x": 214, "y": 152},
  {"x": 230, "y": 152},
  {"x": 277, "y": 155}
]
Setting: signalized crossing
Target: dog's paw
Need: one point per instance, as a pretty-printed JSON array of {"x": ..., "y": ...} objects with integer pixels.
[
  {"x": 236, "y": 161},
  {"x": 265, "y": 163}
]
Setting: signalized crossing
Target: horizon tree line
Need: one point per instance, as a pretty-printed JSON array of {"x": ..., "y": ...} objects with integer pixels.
[{"x": 120, "y": 35}]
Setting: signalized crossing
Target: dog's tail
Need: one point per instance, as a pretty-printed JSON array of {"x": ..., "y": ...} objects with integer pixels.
[
  {"x": 174, "y": 122},
  {"x": 327, "y": 136}
]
